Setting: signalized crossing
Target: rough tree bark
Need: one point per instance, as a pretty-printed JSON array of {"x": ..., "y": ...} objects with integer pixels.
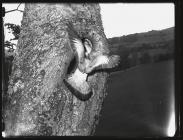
[{"x": 38, "y": 101}]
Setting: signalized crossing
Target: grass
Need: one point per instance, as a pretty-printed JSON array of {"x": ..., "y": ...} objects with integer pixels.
[{"x": 138, "y": 101}]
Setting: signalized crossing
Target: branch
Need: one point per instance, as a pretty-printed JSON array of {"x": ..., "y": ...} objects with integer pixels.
[
  {"x": 14, "y": 9},
  {"x": 19, "y": 5}
]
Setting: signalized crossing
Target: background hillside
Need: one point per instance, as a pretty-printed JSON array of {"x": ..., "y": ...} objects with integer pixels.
[
  {"x": 138, "y": 39},
  {"x": 141, "y": 48}
]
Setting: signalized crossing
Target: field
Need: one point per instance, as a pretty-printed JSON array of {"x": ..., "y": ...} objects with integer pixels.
[{"x": 138, "y": 101}]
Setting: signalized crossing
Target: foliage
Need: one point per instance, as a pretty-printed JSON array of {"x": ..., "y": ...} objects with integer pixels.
[
  {"x": 9, "y": 52},
  {"x": 15, "y": 30},
  {"x": 10, "y": 46}
]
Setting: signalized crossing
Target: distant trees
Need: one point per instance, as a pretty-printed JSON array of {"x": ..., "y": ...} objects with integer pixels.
[
  {"x": 125, "y": 61},
  {"x": 163, "y": 57},
  {"x": 143, "y": 54},
  {"x": 130, "y": 38},
  {"x": 145, "y": 58},
  {"x": 142, "y": 48}
]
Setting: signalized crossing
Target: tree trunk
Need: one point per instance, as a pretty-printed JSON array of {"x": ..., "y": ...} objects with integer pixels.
[{"x": 39, "y": 103}]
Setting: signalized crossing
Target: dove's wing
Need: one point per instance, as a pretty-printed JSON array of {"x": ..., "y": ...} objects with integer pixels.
[
  {"x": 80, "y": 90},
  {"x": 77, "y": 93},
  {"x": 103, "y": 62}
]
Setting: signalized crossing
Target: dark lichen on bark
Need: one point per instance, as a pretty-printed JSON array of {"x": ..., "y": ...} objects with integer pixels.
[{"x": 38, "y": 100}]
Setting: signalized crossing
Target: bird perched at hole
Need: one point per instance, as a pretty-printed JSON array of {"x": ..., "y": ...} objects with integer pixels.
[
  {"x": 76, "y": 81},
  {"x": 87, "y": 60}
]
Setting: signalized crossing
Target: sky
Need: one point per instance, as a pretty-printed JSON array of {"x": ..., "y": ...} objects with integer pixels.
[
  {"x": 125, "y": 18},
  {"x": 118, "y": 18}
]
